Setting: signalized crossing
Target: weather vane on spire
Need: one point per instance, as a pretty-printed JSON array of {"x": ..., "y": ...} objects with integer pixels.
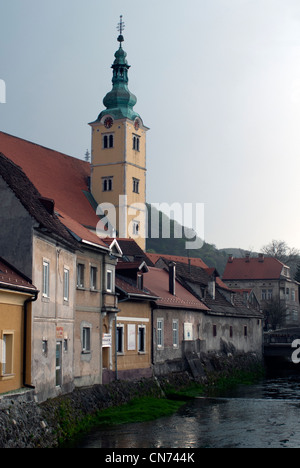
[{"x": 120, "y": 28}]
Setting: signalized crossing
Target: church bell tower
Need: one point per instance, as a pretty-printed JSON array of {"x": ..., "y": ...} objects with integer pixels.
[{"x": 118, "y": 160}]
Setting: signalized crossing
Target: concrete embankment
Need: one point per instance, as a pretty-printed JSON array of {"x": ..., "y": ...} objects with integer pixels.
[{"x": 26, "y": 424}]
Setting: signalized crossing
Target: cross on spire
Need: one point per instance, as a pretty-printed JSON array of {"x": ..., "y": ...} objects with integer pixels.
[{"x": 120, "y": 28}]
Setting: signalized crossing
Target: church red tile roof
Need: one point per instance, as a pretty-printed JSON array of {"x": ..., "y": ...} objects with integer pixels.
[
  {"x": 58, "y": 177},
  {"x": 55, "y": 175},
  {"x": 39, "y": 208}
]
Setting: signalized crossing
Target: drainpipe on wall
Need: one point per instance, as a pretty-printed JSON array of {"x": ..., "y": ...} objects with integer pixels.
[
  {"x": 116, "y": 354},
  {"x": 28, "y": 301}
]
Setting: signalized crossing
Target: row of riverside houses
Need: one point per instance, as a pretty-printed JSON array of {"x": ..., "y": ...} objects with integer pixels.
[
  {"x": 105, "y": 309},
  {"x": 80, "y": 301},
  {"x": 144, "y": 320}
]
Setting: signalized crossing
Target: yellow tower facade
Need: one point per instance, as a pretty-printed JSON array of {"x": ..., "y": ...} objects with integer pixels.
[{"x": 118, "y": 160}]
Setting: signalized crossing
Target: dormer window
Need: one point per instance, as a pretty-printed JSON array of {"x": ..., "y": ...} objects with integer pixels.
[{"x": 286, "y": 272}]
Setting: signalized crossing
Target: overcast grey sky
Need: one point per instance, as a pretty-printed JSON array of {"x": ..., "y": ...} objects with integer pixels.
[{"x": 217, "y": 82}]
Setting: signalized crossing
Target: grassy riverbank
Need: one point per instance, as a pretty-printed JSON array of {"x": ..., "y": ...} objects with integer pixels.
[
  {"x": 149, "y": 408},
  {"x": 136, "y": 411},
  {"x": 139, "y": 410}
]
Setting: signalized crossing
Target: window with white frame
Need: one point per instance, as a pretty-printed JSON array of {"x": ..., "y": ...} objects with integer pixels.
[
  {"x": 86, "y": 339},
  {"x": 66, "y": 284},
  {"x": 293, "y": 292},
  {"x": 7, "y": 353},
  {"x": 46, "y": 278},
  {"x": 175, "y": 334},
  {"x": 109, "y": 281},
  {"x": 142, "y": 338},
  {"x": 270, "y": 294},
  {"x": 160, "y": 333}
]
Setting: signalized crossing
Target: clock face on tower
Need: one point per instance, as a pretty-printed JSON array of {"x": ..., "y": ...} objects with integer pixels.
[
  {"x": 136, "y": 124},
  {"x": 108, "y": 122}
]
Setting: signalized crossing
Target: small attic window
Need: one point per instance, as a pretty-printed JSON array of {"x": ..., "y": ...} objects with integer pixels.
[{"x": 48, "y": 204}]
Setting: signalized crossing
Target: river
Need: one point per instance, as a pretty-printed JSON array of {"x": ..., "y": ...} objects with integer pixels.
[{"x": 264, "y": 415}]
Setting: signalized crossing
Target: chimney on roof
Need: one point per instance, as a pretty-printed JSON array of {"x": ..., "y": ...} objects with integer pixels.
[
  {"x": 212, "y": 287},
  {"x": 247, "y": 258},
  {"x": 140, "y": 280},
  {"x": 230, "y": 258},
  {"x": 261, "y": 257},
  {"x": 172, "y": 276}
]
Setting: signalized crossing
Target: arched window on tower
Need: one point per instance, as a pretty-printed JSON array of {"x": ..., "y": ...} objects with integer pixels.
[
  {"x": 107, "y": 184},
  {"x": 108, "y": 141},
  {"x": 105, "y": 141},
  {"x": 136, "y": 143}
]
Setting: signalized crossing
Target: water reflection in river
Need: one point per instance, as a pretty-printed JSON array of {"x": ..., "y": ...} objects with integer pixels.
[{"x": 265, "y": 415}]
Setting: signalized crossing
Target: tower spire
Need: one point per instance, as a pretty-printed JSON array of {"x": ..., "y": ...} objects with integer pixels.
[
  {"x": 120, "y": 28},
  {"x": 119, "y": 102}
]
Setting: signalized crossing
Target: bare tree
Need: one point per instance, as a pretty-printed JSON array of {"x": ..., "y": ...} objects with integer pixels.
[
  {"x": 280, "y": 250},
  {"x": 275, "y": 313},
  {"x": 285, "y": 254}
]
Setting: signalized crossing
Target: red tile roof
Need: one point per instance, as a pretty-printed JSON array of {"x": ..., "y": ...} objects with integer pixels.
[
  {"x": 195, "y": 262},
  {"x": 131, "y": 290},
  {"x": 31, "y": 199},
  {"x": 157, "y": 281},
  {"x": 55, "y": 175},
  {"x": 10, "y": 278},
  {"x": 253, "y": 269},
  {"x": 81, "y": 233},
  {"x": 154, "y": 257}
]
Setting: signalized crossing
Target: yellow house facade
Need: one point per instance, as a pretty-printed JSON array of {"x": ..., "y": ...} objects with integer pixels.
[
  {"x": 16, "y": 296},
  {"x": 129, "y": 350}
]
